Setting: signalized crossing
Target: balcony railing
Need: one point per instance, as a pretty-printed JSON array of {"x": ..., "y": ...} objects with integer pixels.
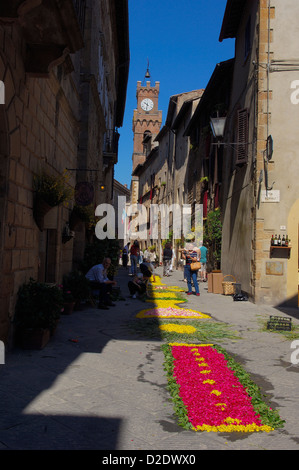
[{"x": 110, "y": 147}]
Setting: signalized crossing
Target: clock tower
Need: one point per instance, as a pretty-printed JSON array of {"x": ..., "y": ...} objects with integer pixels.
[{"x": 147, "y": 120}]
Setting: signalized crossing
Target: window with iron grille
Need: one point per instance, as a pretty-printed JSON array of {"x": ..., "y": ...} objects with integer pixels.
[{"x": 242, "y": 136}]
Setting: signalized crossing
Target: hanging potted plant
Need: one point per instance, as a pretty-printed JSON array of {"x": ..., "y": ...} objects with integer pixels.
[
  {"x": 37, "y": 312},
  {"x": 81, "y": 214},
  {"x": 49, "y": 191}
]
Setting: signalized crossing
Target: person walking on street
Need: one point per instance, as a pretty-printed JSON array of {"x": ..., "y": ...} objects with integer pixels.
[
  {"x": 146, "y": 254},
  {"x": 125, "y": 255},
  {"x": 172, "y": 260},
  {"x": 203, "y": 261},
  {"x": 153, "y": 257},
  {"x": 134, "y": 254},
  {"x": 190, "y": 255},
  {"x": 141, "y": 257},
  {"x": 167, "y": 256}
]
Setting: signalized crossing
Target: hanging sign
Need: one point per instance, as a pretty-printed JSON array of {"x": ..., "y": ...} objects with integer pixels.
[{"x": 84, "y": 193}]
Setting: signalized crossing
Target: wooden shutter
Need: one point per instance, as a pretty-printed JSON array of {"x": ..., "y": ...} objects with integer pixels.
[{"x": 242, "y": 136}]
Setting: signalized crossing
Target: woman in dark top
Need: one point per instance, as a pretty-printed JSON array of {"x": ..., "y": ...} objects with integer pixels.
[{"x": 189, "y": 255}]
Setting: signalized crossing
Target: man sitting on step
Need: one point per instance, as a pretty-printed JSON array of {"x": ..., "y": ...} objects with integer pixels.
[{"x": 98, "y": 280}]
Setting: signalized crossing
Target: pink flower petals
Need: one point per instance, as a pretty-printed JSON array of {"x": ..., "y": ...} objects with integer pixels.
[{"x": 214, "y": 397}]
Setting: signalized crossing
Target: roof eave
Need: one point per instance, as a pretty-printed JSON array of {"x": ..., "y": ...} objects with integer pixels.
[{"x": 231, "y": 20}]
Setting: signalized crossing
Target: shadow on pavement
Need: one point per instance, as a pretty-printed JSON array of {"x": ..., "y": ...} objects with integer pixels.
[{"x": 27, "y": 417}]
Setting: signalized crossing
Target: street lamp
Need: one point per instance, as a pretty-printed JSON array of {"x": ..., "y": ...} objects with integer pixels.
[{"x": 217, "y": 126}]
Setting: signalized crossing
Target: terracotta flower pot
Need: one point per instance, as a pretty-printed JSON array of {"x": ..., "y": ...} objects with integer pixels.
[
  {"x": 41, "y": 208},
  {"x": 68, "y": 308},
  {"x": 35, "y": 338}
]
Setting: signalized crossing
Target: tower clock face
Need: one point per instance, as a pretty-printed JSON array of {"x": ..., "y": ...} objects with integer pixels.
[{"x": 147, "y": 104}]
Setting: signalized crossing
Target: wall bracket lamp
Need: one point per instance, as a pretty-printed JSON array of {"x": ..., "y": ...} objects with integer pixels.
[{"x": 218, "y": 126}]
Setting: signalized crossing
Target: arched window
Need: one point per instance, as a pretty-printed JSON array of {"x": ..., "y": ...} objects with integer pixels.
[{"x": 147, "y": 142}]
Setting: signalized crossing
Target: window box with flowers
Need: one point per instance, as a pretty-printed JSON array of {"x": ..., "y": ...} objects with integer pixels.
[{"x": 49, "y": 191}]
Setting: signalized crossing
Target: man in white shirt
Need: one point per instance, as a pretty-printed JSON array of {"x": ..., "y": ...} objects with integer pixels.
[{"x": 99, "y": 280}]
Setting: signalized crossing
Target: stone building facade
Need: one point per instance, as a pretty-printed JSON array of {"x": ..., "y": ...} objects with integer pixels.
[
  {"x": 120, "y": 191},
  {"x": 59, "y": 104},
  {"x": 163, "y": 177},
  {"x": 260, "y": 197}
]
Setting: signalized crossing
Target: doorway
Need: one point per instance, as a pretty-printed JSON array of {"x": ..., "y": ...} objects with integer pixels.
[{"x": 47, "y": 256}]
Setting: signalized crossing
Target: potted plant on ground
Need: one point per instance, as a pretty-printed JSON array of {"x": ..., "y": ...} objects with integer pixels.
[
  {"x": 49, "y": 191},
  {"x": 68, "y": 301},
  {"x": 37, "y": 312},
  {"x": 78, "y": 285}
]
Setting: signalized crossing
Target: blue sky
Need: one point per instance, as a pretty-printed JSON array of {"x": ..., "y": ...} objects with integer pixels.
[{"x": 181, "y": 41}]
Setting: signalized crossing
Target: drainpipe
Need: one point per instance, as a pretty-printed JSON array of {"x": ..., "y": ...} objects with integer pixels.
[
  {"x": 268, "y": 65},
  {"x": 268, "y": 96}
]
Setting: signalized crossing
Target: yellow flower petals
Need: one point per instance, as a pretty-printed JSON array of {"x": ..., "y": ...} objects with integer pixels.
[
  {"x": 216, "y": 392},
  {"x": 232, "y": 420},
  {"x": 234, "y": 427},
  {"x": 222, "y": 405},
  {"x": 173, "y": 327}
]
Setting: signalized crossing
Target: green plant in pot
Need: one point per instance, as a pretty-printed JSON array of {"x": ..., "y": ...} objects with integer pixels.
[
  {"x": 213, "y": 236},
  {"x": 68, "y": 300},
  {"x": 49, "y": 191},
  {"x": 78, "y": 285},
  {"x": 37, "y": 312},
  {"x": 81, "y": 214}
]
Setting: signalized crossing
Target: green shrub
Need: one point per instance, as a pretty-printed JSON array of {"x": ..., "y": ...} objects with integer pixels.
[{"x": 38, "y": 305}]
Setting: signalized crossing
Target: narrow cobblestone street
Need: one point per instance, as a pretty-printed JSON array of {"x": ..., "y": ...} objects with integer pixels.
[{"x": 98, "y": 386}]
